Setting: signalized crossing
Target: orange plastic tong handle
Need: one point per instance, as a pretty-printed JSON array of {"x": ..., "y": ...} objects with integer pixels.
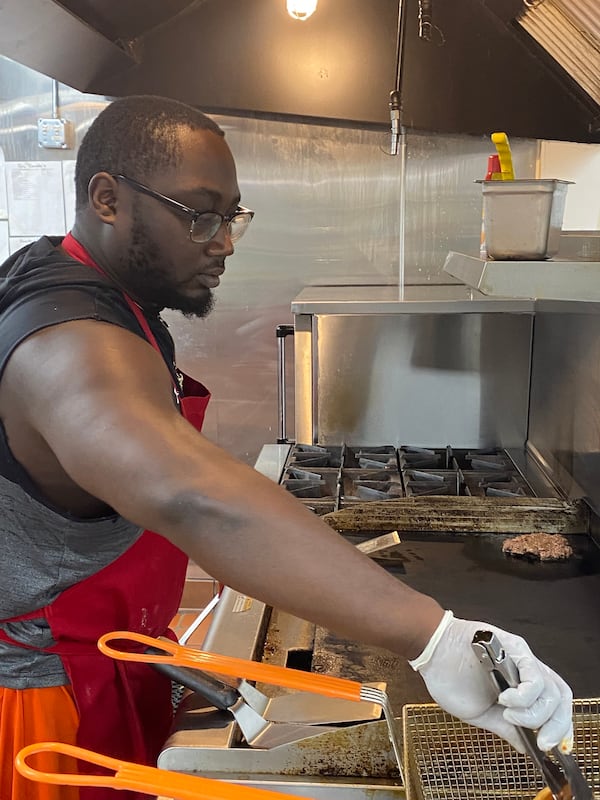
[
  {"x": 135, "y": 777},
  {"x": 177, "y": 655}
]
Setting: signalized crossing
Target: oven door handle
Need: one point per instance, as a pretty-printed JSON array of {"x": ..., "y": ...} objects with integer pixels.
[{"x": 282, "y": 332}]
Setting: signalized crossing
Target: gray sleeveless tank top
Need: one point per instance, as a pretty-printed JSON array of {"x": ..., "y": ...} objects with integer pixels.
[{"x": 43, "y": 553}]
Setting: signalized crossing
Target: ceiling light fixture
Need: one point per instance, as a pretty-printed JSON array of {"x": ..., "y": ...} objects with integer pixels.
[{"x": 301, "y": 9}]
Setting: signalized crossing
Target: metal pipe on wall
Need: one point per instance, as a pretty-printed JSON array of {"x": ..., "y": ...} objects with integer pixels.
[
  {"x": 398, "y": 139},
  {"x": 55, "y": 101}
]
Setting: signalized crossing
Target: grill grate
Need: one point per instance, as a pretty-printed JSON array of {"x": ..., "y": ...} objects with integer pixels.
[{"x": 445, "y": 759}]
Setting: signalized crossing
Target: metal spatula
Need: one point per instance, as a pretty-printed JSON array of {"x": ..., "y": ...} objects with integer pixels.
[{"x": 257, "y": 731}]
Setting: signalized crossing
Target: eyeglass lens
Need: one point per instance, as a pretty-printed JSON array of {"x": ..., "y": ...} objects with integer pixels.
[{"x": 207, "y": 225}]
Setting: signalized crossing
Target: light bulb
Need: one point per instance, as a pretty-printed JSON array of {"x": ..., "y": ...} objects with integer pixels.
[{"x": 301, "y": 9}]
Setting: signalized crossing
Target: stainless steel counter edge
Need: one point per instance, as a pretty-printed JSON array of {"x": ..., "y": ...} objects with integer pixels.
[
  {"x": 533, "y": 280},
  {"x": 421, "y": 299},
  {"x": 322, "y": 790}
]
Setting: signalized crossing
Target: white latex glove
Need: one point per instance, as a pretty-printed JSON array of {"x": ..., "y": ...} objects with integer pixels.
[{"x": 461, "y": 686}]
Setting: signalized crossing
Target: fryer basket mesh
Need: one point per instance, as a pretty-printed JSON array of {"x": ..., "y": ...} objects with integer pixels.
[{"x": 446, "y": 759}]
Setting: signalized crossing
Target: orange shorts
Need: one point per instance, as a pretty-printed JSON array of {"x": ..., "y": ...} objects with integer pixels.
[{"x": 36, "y": 715}]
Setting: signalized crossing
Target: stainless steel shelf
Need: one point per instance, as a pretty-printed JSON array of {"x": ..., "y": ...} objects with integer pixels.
[
  {"x": 534, "y": 280},
  {"x": 417, "y": 299}
]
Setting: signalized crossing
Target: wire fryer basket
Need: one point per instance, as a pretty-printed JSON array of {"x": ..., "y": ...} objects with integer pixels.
[{"x": 446, "y": 759}]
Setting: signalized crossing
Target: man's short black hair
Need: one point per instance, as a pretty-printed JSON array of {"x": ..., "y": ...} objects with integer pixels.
[{"x": 135, "y": 136}]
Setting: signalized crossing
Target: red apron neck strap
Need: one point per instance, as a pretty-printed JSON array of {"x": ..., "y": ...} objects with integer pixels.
[{"x": 77, "y": 251}]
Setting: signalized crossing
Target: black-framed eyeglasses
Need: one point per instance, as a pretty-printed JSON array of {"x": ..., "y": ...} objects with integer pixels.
[{"x": 204, "y": 224}]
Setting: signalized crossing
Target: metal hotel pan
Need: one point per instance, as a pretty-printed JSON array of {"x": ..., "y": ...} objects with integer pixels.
[{"x": 134, "y": 777}]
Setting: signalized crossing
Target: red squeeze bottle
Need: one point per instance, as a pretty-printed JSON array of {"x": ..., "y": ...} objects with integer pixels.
[{"x": 494, "y": 171}]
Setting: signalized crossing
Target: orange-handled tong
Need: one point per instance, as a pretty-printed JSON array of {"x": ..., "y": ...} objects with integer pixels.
[
  {"x": 148, "y": 780},
  {"x": 180, "y": 656}
]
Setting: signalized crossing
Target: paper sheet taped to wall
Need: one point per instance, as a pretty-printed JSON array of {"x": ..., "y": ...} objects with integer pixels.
[{"x": 35, "y": 198}]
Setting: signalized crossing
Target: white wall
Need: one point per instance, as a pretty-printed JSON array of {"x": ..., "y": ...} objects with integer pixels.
[{"x": 579, "y": 163}]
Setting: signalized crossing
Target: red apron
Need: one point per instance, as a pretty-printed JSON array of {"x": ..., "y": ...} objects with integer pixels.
[{"x": 124, "y": 708}]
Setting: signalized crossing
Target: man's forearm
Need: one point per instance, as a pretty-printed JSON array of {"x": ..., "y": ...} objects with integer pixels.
[{"x": 276, "y": 551}]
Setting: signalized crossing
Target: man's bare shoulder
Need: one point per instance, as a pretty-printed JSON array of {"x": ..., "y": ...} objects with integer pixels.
[
  {"x": 82, "y": 356},
  {"x": 77, "y": 388}
]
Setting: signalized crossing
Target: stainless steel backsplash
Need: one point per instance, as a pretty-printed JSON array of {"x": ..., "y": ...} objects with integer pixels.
[
  {"x": 430, "y": 379},
  {"x": 327, "y": 202},
  {"x": 564, "y": 424}
]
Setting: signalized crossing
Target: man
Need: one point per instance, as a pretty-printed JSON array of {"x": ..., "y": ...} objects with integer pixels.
[{"x": 98, "y": 449}]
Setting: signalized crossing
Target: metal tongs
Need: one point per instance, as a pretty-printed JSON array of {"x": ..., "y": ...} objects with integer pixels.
[
  {"x": 165, "y": 652},
  {"x": 563, "y": 776}
]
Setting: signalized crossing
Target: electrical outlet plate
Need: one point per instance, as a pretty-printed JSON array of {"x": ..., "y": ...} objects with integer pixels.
[{"x": 55, "y": 134}]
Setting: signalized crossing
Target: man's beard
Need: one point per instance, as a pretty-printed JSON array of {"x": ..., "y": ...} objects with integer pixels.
[{"x": 148, "y": 276}]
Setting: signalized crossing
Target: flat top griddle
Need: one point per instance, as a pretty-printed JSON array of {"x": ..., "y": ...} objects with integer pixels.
[{"x": 554, "y": 606}]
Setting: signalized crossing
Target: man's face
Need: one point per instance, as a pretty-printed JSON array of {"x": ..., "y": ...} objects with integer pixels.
[{"x": 160, "y": 265}]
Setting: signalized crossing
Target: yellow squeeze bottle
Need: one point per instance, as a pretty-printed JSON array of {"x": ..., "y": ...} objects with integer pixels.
[{"x": 502, "y": 145}]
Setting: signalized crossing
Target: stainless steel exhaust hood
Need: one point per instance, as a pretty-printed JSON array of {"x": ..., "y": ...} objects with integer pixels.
[
  {"x": 468, "y": 66},
  {"x": 569, "y": 31}
]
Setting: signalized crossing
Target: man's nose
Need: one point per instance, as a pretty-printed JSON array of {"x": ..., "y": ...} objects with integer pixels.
[{"x": 221, "y": 243}]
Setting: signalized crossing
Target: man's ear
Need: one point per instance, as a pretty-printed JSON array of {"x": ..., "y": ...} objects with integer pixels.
[{"x": 103, "y": 192}]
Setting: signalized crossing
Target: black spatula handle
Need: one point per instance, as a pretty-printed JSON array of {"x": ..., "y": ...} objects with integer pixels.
[{"x": 220, "y": 694}]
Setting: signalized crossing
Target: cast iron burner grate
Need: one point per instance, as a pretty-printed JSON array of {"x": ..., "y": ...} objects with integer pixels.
[{"x": 327, "y": 478}]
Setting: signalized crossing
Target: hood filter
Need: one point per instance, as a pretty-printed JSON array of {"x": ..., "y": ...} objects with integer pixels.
[{"x": 569, "y": 30}]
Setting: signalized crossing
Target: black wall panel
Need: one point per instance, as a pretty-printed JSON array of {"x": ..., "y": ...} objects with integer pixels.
[{"x": 252, "y": 56}]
